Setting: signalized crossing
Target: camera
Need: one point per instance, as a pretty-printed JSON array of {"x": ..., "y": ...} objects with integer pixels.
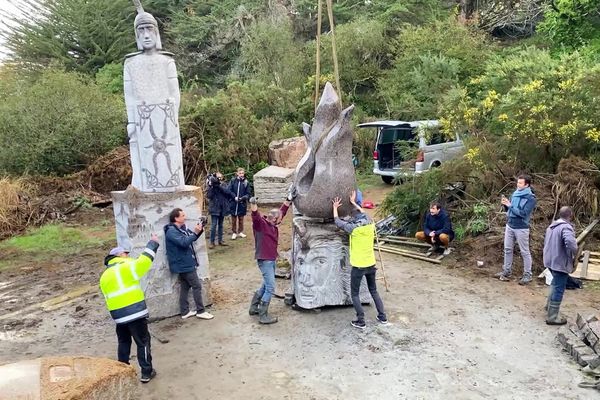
[
  {"x": 203, "y": 220},
  {"x": 213, "y": 180}
]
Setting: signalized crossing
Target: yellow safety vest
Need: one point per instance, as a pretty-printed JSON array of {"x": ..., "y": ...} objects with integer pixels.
[
  {"x": 362, "y": 254},
  {"x": 120, "y": 284}
]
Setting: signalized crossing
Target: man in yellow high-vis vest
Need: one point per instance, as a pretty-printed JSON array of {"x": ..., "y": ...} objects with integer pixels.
[
  {"x": 120, "y": 285},
  {"x": 362, "y": 258}
]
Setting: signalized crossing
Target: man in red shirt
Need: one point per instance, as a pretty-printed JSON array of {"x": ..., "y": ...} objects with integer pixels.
[{"x": 266, "y": 239}]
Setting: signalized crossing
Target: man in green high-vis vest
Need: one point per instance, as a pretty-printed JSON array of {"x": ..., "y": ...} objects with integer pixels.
[{"x": 362, "y": 258}]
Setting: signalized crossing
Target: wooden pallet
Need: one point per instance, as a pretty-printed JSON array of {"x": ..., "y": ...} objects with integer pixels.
[{"x": 588, "y": 267}]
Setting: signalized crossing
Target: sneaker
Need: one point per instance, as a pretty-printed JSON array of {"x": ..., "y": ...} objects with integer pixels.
[
  {"x": 242, "y": 234},
  {"x": 447, "y": 251},
  {"x": 233, "y": 237},
  {"x": 502, "y": 276},
  {"x": 525, "y": 280},
  {"x": 382, "y": 320},
  {"x": 148, "y": 378},
  {"x": 189, "y": 314},
  {"x": 358, "y": 324},
  {"x": 205, "y": 315}
]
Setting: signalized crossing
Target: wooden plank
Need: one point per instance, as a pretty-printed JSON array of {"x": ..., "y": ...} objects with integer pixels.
[
  {"x": 592, "y": 273},
  {"x": 402, "y": 238},
  {"x": 587, "y": 230},
  {"x": 406, "y": 242},
  {"x": 409, "y": 254},
  {"x": 584, "y": 263},
  {"x": 595, "y": 253}
]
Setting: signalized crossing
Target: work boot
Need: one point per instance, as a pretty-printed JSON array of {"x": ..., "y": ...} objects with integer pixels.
[
  {"x": 553, "y": 316},
  {"x": 254, "y": 304},
  {"x": 263, "y": 313}
]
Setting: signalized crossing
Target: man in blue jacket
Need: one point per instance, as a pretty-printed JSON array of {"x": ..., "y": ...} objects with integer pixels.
[
  {"x": 179, "y": 242},
  {"x": 560, "y": 249},
  {"x": 240, "y": 187},
  {"x": 518, "y": 212},
  {"x": 219, "y": 203},
  {"x": 437, "y": 228}
]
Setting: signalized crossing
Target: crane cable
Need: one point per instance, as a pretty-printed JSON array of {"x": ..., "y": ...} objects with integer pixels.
[{"x": 333, "y": 51}]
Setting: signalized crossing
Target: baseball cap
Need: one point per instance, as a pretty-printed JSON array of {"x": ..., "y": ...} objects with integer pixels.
[{"x": 117, "y": 251}]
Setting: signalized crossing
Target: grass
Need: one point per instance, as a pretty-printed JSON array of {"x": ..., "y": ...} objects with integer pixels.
[
  {"x": 52, "y": 239},
  {"x": 368, "y": 180}
]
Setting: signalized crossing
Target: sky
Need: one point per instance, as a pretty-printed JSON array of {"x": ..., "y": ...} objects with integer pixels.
[{"x": 6, "y": 7}]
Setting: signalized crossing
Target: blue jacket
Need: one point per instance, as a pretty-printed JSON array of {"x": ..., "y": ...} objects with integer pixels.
[
  {"x": 242, "y": 190},
  {"x": 179, "y": 243},
  {"x": 522, "y": 204},
  {"x": 439, "y": 223},
  {"x": 560, "y": 246},
  {"x": 219, "y": 199}
]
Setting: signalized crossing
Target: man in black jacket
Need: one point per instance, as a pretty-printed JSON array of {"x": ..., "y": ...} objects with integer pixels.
[
  {"x": 219, "y": 203},
  {"x": 179, "y": 241},
  {"x": 437, "y": 228}
]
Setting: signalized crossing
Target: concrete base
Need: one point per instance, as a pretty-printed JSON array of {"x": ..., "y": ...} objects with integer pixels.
[
  {"x": 137, "y": 216},
  {"x": 271, "y": 184},
  {"x": 321, "y": 265},
  {"x": 69, "y": 378}
]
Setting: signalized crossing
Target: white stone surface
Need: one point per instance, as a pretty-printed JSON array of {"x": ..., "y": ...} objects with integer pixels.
[
  {"x": 271, "y": 184},
  {"x": 137, "y": 216}
]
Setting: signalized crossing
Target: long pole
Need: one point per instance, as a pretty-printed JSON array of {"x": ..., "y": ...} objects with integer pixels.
[
  {"x": 318, "y": 72},
  {"x": 387, "y": 289},
  {"x": 334, "y": 50}
]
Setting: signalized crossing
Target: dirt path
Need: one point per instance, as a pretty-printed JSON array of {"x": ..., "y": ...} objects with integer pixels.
[{"x": 453, "y": 334}]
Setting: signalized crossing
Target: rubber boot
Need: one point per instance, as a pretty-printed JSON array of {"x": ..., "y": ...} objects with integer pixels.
[
  {"x": 263, "y": 313},
  {"x": 553, "y": 316},
  {"x": 548, "y": 299},
  {"x": 254, "y": 304}
]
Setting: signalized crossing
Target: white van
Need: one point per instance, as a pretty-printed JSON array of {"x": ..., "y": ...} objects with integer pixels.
[{"x": 431, "y": 147}]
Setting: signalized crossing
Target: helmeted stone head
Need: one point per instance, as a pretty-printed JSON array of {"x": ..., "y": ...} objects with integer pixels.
[{"x": 147, "y": 35}]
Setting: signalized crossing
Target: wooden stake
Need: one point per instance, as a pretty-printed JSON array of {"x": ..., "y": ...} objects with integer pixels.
[{"x": 381, "y": 261}]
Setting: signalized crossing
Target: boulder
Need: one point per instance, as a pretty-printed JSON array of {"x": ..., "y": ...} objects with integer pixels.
[
  {"x": 69, "y": 378},
  {"x": 272, "y": 183},
  {"x": 286, "y": 153}
]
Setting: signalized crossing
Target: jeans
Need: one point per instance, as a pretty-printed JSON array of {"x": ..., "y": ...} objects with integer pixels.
[
  {"x": 521, "y": 236},
  {"x": 190, "y": 280},
  {"x": 356, "y": 276},
  {"x": 138, "y": 330},
  {"x": 216, "y": 226},
  {"x": 266, "y": 290},
  {"x": 237, "y": 223},
  {"x": 558, "y": 286}
]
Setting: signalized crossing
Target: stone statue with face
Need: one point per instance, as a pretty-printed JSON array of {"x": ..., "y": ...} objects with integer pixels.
[
  {"x": 321, "y": 272},
  {"x": 152, "y": 100}
]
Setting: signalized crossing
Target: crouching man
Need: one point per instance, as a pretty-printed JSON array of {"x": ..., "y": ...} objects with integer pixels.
[
  {"x": 560, "y": 249},
  {"x": 437, "y": 229},
  {"x": 120, "y": 285}
]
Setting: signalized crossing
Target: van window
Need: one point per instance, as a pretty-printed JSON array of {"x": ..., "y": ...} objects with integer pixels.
[
  {"x": 392, "y": 135},
  {"x": 435, "y": 136}
]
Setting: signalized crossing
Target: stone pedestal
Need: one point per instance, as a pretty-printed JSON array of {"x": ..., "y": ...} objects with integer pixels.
[
  {"x": 271, "y": 184},
  {"x": 321, "y": 265},
  {"x": 137, "y": 216},
  {"x": 69, "y": 378}
]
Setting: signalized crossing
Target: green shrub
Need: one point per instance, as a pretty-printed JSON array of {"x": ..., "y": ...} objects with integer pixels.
[{"x": 56, "y": 123}]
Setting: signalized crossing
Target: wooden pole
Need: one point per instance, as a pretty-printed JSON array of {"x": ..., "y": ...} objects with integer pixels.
[
  {"x": 387, "y": 289},
  {"x": 587, "y": 230},
  {"x": 318, "y": 72},
  {"x": 409, "y": 254},
  {"x": 334, "y": 50}
]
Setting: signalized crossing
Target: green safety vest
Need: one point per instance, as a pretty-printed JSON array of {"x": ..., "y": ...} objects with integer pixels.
[
  {"x": 120, "y": 285},
  {"x": 362, "y": 254}
]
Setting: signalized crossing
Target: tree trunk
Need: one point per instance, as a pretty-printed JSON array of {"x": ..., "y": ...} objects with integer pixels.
[{"x": 467, "y": 9}]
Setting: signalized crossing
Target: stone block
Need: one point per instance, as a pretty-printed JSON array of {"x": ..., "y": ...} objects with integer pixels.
[
  {"x": 597, "y": 347},
  {"x": 137, "y": 216},
  {"x": 271, "y": 184},
  {"x": 286, "y": 153},
  {"x": 591, "y": 338},
  {"x": 321, "y": 265},
  {"x": 69, "y": 378},
  {"x": 573, "y": 328},
  {"x": 580, "y": 321},
  {"x": 595, "y": 327}
]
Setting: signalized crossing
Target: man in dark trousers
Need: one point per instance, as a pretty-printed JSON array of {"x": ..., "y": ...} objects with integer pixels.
[
  {"x": 437, "y": 228},
  {"x": 219, "y": 203},
  {"x": 120, "y": 285},
  {"x": 179, "y": 242},
  {"x": 240, "y": 187},
  {"x": 266, "y": 240},
  {"x": 362, "y": 258},
  {"x": 560, "y": 249}
]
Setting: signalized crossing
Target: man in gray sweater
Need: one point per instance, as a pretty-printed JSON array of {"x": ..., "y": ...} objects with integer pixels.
[{"x": 560, "y": 248}]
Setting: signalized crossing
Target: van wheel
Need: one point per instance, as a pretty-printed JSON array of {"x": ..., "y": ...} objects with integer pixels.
[{"x": 387, "y": 179}]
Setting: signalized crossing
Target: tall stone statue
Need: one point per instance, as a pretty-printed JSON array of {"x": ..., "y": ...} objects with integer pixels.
[
  {"x": 157, "y": 187},
  {"x": 152, "y": 99}
]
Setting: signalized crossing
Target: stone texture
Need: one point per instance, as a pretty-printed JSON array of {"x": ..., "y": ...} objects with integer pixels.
[
  {"x": 595, "y": 327},
  {"x": 69, "y": 378},
  {"x": 321, "y": 265},
  {"x": 326, "y": 169},
  {"x": 286, "y": 153},
  {"x": 152, "y": 101},
  {"x": 137, "y": 216},
  {"x": 271, "y": 184}
]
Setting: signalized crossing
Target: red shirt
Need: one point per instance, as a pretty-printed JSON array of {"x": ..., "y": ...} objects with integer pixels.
[{"x": 266, "y": 235}]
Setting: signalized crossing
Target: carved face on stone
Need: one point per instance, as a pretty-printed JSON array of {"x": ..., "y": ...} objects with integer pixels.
[{"x": 146, "y": 36}]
